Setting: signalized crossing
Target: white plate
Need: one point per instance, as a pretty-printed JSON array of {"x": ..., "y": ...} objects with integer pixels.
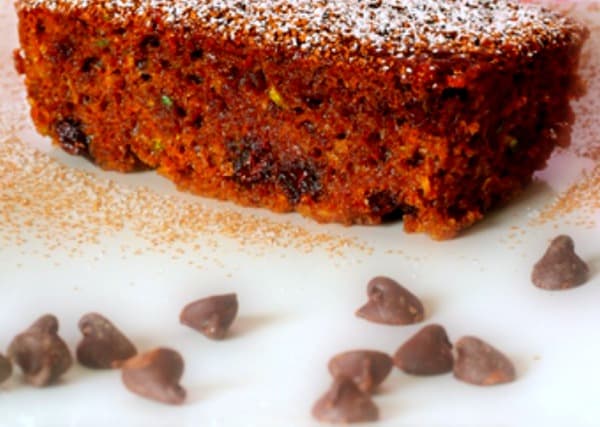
[{"x": 296, "y": 304}]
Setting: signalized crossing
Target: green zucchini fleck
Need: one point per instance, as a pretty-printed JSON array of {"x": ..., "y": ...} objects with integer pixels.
[
  {"x": 102, "y": 43},
  {"x": 166, "y": 101}
]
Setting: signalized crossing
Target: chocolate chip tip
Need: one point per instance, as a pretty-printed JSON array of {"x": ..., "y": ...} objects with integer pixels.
[{"x": 47, "y": 323}]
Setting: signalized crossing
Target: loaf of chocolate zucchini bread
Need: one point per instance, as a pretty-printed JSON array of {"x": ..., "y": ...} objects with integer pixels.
[{"x": 351, "y": 111}]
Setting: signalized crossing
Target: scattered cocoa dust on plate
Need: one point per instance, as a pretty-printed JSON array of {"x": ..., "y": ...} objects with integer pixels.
[
  {"x": 65, "y": 208},
  {"x": 581, "y": 201}
]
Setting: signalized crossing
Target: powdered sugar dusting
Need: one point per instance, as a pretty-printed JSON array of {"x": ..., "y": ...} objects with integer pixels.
[{"x": 389, "y": 27}]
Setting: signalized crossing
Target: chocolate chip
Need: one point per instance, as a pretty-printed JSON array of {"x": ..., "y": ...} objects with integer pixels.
[
  {"x": 5, "y": 368},
  {"x": 560, "y": 267},
  {"x": 47, "y": 324},
  {"x": 155, "y": 375},
  {"x": 40, "y": 353},
  {"x": 211, "y": 316},
  {"x": 390, "y": 303},
  {"x": 345, "y": 403},
  {"x": 367, "y": 368},
  {"x": 479, "y": 363},
  {"x": 428, "y": 352},
  {"x": 103, "y": 345}
]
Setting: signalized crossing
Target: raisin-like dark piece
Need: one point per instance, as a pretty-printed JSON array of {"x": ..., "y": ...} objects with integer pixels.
[
  {"x": 257, "y": 80},
  {"x": 195, "y": 79},
  {"x": 400, "y": 121},
  {"x": 297, "y": 179},
  {"x": 384, "y": 108},
  {"x": 456, "y": 212},
  {"x": 232, "y": 72},
  {"x": 519, "y": 78},
  {"x": 461, "y": 94},
  {"x": 385, "y": 205},
  {"x": 88, "y": 64},
  {"x": 180, "y": 111},
  {"x": 384, "y": 154},
  {"x": 313, "y": 102},
  {"x": 399, "y": 213},
  {"x": 63, "y": 50},
  {"x": 381, "y": 202},
  {"x": 71, "y": 137},
  {"x": 196, "y": 54},
  {"x": 252, "y": 160},
  {"x": 373, "y": 138},
  {"x": 198, "y": 121},
  {"x": 40, "y": 28},
  {"x": 150, "y": 41},
  {"x": 416, "y": 159}
]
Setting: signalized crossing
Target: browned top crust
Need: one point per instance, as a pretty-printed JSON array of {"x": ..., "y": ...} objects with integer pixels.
[{"x": 379, "y": 31}]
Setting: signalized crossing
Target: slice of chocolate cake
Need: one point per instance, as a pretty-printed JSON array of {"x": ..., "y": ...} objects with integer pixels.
[{"x": 343, "y": 110}]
